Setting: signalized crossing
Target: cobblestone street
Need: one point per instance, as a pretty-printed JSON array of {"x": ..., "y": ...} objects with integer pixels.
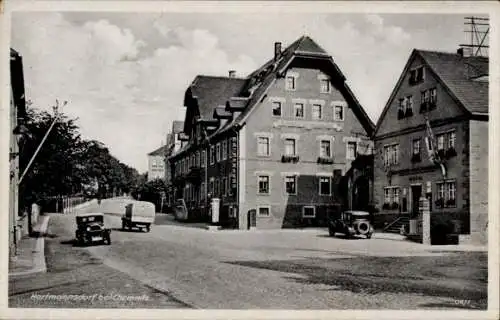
[{"x": 280, "y": 269}]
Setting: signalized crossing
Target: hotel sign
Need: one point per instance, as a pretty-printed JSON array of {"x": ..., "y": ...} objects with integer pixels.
[{"x": 234, "y": 165}]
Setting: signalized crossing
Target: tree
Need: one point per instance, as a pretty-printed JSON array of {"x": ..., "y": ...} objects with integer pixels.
[{"x": 68, "y": 165}]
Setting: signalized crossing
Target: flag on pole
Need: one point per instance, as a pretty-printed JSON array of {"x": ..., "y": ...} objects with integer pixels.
[{"x": 432, "y": 150}]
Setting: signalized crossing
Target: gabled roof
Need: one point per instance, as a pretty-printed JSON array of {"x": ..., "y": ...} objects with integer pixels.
[
  {"x": 260, "y": 80},
  {"x": 212, "y": 91},
  {"x": 177, "y": 126},
  {"x": 161, "y": 151},
  {"x": 457, "y": 74}
]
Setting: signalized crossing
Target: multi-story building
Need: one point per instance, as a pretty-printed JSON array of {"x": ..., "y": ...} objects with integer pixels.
[
  {"x": 274, "y": 143},
  {"x": 432, "y": 140},
  {"x": 17, "y": 116},
  {"x": 156, "y": 164},
  {"x": 175, "y": 141}
]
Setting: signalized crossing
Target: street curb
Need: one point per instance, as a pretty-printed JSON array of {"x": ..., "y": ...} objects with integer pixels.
[{"x": 39, "y": 252}]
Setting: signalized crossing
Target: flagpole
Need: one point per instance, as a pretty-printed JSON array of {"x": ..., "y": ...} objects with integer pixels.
[{"x": 56, "y": 118}]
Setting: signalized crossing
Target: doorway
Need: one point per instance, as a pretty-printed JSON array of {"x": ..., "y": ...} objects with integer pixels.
[{"x": 416, "y": 193}]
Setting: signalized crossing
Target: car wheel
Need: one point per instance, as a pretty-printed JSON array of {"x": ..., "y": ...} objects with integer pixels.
[
  {"x": 123, "y": 225},
  {"x": 148, "y": 228},
  {"x": 331, "y": 232},
  {"x": 108, "y": 240}
]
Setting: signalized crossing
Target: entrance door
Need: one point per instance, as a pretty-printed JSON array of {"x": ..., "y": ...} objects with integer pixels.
[{"x": 416, "y": 193}]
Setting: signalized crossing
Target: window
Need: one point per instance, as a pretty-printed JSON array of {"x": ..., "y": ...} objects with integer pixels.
[
  {"x": 277, "y": 108},
  {"x": 401, "y": 106},
  {"x": 325, "y": 150},
  {"x": 451, "y": 187},
  {"x": 416, "y": 75},
  {"x": 391, "y": 196},
  {"x": 339, "y": 113},
  {"x": 202, "y": 190},
  {"x": 351, "y": 150},
  {"x": 263, "y": 146},
  {"x": 440, "y": 191},
  {"x": 433, "y": 95},
  {"x": 298, "y": 110},
  {"x": 223, "y": 186},
  {"x": 416, "y": 147},
  {"x": 212, "y": 154},
  {"x": 451, "y": 139},
  {"x": 409, "y": 104},
  {"x": 440, "y": 140},
  {"x": 264, "y": 184},
  {"x": 224, "y": 150},
  {"x": 291, "y": 184},
  {"x": 203, "y": 159},
  {"x": 290, "y": 147},
  {"x": 308, "y": 212},
  {"x": 264, "y": 211},
  {"x": 446, "y": 142},
  {"x": 198, "y": 158},
  {"x": 395, "y": 195},
  {"x": 211, "y": 187},
  {"x": 290, "y": 82},
  {"x": 391, "y": 154},
  {"x": 324, "y": 186},
  {"x": 218, "y": 152},
  {"x": 316, "y": 112},
  {"x": 387, "y": 195},
  {"x": 216, "y": 187},
  {"x": 324, "y": 85}
]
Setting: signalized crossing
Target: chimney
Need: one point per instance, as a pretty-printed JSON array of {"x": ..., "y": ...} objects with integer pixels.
[
  {"x": 277, "y": 50},
  {"x": 232, "y": 73}
]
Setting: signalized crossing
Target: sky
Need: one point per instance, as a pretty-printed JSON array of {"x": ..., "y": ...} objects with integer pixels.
[{"x": 124, "y": 74}]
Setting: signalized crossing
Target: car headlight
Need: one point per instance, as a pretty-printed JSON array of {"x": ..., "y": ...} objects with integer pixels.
[{"x": 88, "y": 228}]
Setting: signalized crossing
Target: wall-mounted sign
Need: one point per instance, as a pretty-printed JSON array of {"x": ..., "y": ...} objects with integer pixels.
[{"x": 234, "y": 164}]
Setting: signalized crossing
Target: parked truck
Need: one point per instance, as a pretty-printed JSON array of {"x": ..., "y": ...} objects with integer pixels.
[{"x": 138, "y": 214}]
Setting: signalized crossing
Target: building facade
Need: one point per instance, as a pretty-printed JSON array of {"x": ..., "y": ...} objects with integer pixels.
[
  {"x": 432, "y": 141},
  {"x": 173, "y": 145},
  {"x": 17, "y": 116},
  {"x": 274, "y": 145},
  {"x": 156, "y": 164}
]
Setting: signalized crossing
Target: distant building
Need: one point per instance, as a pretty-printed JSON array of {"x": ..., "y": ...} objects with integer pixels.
[
  {"x": 17, "y": 117},
  {"x": 275, "y": 143},
  {"x": 175, "y": 141},
  {"x": 156, "y": 164},
  {"x": 449, "y": 90}
]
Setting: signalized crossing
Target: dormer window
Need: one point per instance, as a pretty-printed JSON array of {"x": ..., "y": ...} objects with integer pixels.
[
  {"x": 324, "y": 85},
  {"x": 416, "y": 75},
  {"x": 290, "y": 83}
]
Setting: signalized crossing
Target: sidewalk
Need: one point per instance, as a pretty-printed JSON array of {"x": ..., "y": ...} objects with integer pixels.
[{"x": 30, "y": 256}]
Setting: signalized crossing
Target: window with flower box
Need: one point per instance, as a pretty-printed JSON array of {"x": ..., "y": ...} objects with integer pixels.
[
  {"x": 391, "y": 198},
  {"x": 446, "y": 194},
  {"x": 446, "y": 144}
]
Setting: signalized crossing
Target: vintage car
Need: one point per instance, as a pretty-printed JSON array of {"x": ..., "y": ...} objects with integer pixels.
[
  {"x": 90, "y": 229},
  {"x": 350, "y": 223}
]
